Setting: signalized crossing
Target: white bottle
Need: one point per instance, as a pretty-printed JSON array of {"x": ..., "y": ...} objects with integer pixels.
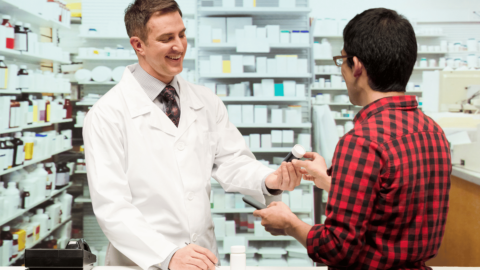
[
  {"x": 41, "y": 218},
  {"x": 49, "y": 184},
  {"x": 7, "y": 247},
  {"x": 53, "y": 168},
  {"x": 66, "y": 201},
  {"x": 55, "y": 212},
  {"x": 238, "y": 258},
  {"x": 12, "y": 194},
  {"x": 15, "y": 246},
  {"x": 42, "y": 178},
  {"x": 2, "y": 212}
]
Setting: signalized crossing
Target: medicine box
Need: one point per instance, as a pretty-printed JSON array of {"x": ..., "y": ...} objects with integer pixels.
[
  {"x": 277, "y": 116},
  {"x": 261, "y": 114},
  {"x": 288, "y": 138},
  {"x": 254, "y": 141},
  {"x": 235, "y": 113},
  {"x": 266, "y": 141},
  {"x": 248, "y": 114},
  {"x": 277, "y": 138}
]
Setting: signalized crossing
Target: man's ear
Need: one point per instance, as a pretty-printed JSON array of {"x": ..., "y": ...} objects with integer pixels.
[
  {"x": 357, "y": 67},
  {"x": 138, "y": 45}
]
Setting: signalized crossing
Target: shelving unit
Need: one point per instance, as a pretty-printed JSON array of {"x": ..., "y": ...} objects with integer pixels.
[
  {"x": 29, "y": 58},
  {"x": 254, "y": 75},
  {"x": 11, "y": 130},
  {"x": 20, "y": 11}
]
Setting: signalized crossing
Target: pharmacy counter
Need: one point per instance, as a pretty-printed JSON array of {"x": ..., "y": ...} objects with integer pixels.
[
  {"x": 466, "y": 175},
  {"x": 248, "y": 268}
]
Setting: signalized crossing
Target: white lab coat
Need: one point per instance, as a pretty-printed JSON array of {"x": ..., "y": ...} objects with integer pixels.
[{"x": 150, "y": 181}]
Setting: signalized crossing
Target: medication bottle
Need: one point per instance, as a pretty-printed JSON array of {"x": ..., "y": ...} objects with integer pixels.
[
  {"x": 47, "y": 108},
  {"x": 63, "y": 175},
  {"x": 15, "y": 247},
  {"x": 22, "y": 238},
  {"x": 238, "y": 258},
  {"x": 27, "y": 197},
  {"x": 23, "y": 78},
  {"x": 28, "y": 140},
  {"x": 10, "y": 150},
  {"x": 3, "y": 73},
  {"x": 7, "y": 238},
  {"x": 29, "y": 111},
  {"x": 68, "y": 106},
  {"x": 14, "y": 111},
  {"x": 49, "y": 185},
  {"x": 20, "y": 37},
  {"x": 19, "y": 153},
  {"x": 297, "y": 153},
  {"x": 29, "y": 32},
  {"x": 9, "y": 32}
]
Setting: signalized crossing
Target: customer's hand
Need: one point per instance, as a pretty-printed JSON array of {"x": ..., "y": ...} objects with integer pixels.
[
  {"x": 277, "y": 218},
  {"x": 193, "y": 257},
  {"x": 286, "y": 177},
  {"x": 314, "y": 169}
]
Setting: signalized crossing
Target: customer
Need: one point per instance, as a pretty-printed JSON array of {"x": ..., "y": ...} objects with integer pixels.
[
  {"x": 390, "y": 176},
  {"x": 152, "y": 144}
]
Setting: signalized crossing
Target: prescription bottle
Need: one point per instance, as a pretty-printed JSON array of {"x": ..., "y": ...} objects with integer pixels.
[
  {"x": 3, "y": 73},
  {"x": 9, "y": 32},
  {"x": 238, "y": 258}
]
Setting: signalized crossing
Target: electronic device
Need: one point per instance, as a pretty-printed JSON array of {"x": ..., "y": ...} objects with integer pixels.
[{"x": 256, "y": 204}]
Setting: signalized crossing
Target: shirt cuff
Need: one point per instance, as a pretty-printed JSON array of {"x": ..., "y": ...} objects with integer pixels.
[
  {"x": 164, "y": 265},
  {"x": 267, "y": 191}
]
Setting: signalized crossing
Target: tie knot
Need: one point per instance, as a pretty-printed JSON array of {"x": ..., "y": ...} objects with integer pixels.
[{"x": 168, "y": 94}]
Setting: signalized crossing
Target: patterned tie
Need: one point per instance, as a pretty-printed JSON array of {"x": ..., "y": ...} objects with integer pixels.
[{"x": 167, "y": 97}]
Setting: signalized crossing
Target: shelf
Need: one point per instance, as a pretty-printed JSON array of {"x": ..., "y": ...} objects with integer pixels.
[
  {"x": 27, "y": 57},
  {"x": 34, "y": 126},
  {"x": 328, "y": 73},
  {"x": 209, "y": 11},
  {"x": 42, "y": 91},
  {"x": 329, "y": 89},
  {"x": 324, "y": 59},
  {"x": 78, "y": 126},
  {"x": 21, "y": 253},
  {"x": 80, "y": 172},
  {"x": 22, "y": 211},
  {"x": 85, "y": 103},
  {"x": 263, "y": 99},
  {"x": 214, "y": 46},
  {"x": 82, "y": 199},
  {"x": 14, "y": 92},
  {"x": 335, "y": 104},
  {"x": 253, "y": 75},
  {"x": 251, "y": 209},
  {"x": 106, "y": 58},
  {"x": 270, "y": 125},
  {"x": 252, "y": 237},
  {"x": 343, "y": 118},
  {"x": 97, "y": 83},
  {"x": 30, "y": 162},
  {"x": 15, "y": 9}
]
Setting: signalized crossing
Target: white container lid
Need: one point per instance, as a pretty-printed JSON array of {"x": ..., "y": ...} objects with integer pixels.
[
  {"x": 39, "y": 211},
  {"x": 23, "y": 67},
  {"x": 18, "y": 23},
  {"x": 6, "y": 228},
  {"x": 298, "y": 151},
  {"x": 237, "y": 249},
  {"x": 12, "y": 185}
]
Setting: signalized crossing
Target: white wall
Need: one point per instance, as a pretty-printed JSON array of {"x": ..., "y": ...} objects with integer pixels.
[{"x": 414, "y": 10}]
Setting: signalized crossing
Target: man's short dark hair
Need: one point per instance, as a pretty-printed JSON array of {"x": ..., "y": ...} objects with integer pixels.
[
  {"x": 139, "y": 12},
  {"x": 385, "y": 43}
]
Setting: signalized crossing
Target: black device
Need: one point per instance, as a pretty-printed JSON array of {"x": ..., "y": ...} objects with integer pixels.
[
  {"x": 76, "y": 256},
  {"x": 256, "y": 204}
]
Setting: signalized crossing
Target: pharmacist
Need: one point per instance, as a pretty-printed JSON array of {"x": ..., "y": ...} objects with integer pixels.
[
  {"x": 152, "y": 144},
  {"x": 390, "y": 176}
]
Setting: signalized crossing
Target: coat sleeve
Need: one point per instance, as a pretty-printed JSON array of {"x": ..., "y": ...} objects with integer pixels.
[
  {"x": 235, "y": 166},
  {"x": 124, "y": 225}
]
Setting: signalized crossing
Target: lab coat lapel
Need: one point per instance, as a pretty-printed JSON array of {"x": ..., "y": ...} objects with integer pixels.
[
  {"x": 189, "y": 104},
  {"x": 138, "y": 104}
]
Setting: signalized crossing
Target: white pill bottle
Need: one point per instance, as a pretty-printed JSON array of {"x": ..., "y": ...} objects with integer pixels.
[{"x": 238, "y": 258}]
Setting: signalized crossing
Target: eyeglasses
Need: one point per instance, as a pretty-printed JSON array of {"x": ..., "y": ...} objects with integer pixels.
[{"x": 338, "y": 60}]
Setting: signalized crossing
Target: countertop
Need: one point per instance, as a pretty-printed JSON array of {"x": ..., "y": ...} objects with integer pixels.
[
  {"x": 248, "y": 268},
  {"x": 465, "y": 174}
]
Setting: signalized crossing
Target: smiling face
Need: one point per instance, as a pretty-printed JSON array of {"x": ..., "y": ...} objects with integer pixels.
[{"x": 163, "y": 52}]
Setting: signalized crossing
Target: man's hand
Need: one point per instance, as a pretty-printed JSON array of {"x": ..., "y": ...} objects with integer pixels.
[
  {"x": 193, "y": 257},
  {"x": 277, "y": 218},
  {"x": 314, "y": 170},
  {"x": 286, "y": 177}
]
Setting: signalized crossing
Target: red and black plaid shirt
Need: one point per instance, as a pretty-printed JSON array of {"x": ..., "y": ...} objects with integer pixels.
[{"x": 388, "y": 202}]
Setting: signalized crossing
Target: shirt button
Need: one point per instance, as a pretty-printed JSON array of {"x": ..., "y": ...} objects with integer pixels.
[
  {"x": 190, "y": 196},
  {"x": 181, "y": 146},
  {"x": 194, "y": 237}
]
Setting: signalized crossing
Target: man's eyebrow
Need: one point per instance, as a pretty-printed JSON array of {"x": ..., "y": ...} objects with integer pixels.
[{"x": 170, "y": 34}]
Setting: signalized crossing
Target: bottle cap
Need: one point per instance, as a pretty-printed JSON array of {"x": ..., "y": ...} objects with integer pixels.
[
  {"x": 6, "y": 228},
  {"x": 237, "y": 249},
  {"x": 27, "y": 25},
  {"x": 19, "y": 23},
  {"x": 18, "y": 134},
  {"x": 23, "y": 67},
  {"x": 39, "y": 211},
  {"x": 6, "y": 17},
  {"x": 298, "y": 151},
  {"x": 40, "y": 165}
]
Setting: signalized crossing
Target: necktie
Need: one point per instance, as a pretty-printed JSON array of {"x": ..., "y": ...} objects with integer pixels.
[{"x": 167, "y": 97}]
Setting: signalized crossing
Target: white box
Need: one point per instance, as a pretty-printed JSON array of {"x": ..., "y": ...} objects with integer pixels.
[
  {"x": 254, "y": 141},
  {"x": 302, "y": 66},
  {"x": 248, "y": 3},
  {"x": 222, "y": 90},
  {"x": 289, "y": 88},
  {"x": 219, "y": 223},
  {"x": 268, "y": 87},
  {"x": 282, "y": 62},
  {"x": 251, "y": 224},
  {"x": 228, "y": 4},
  {"x": 292, "y": 116},
  {"x": 234, "y": 23},
  {"x": 288, "y": 138},
  {"x": 236, "y": 62},
  {"x": 284, "y": 37},
  {"x": 266, "y": 141},
  {"x": 292, "y": 64},
  {"x": 215, "y": 22},
  {"x": 247, "y": 142},
  {"x": 204, "y": 67},
  {"x": 239, "y": 203},
  {"x": 249, "y": 60},
  {"x": 217, "y": 35},
  {"x": 277, "y": 138},
  {"x": 271, "y": 66},
  {"x": 235, "y": 113},
  {"x": 261, "y": 33},
  {"x": 277, "y": 116},
  {"x": 300, "y": 90},
  {"x": 305, "y": 140},
  {"x": 273, "y": 34},
  {"x": 250, "y": 32},
  {"x": 262, "y": 65},
  {"x": 261, "y": 114},
  {"x": 230, "y": 228},
  {"x": 286, "y": 3},
  {"x": 238, "y": 90},
  {"x": 216, "y": 64},
  {"x": 205, "y": 34},
  {"x": 247, "y": 114},
  {"x": 257, "y": 90},
  {"x": 296, "y": 200}
]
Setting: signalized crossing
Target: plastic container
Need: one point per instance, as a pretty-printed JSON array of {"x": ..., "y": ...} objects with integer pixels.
[
  {"x": 9, "y": 32},
  {"x": 12, "y": 194},
  {"x": 23, "y": 78},
  {"x": 42, "y": 177},
  {"x": 7, "y": 238},
  {"x": 42, "y": 219},
  {"x": 20, "y": 37},
  {"x": 63, "y": 175},
  {"x": 3, "y": 73},
  {"x": 238, "y": 259}
]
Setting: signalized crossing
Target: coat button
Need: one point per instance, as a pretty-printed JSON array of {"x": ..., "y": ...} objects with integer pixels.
[
  {"x": 181, "y": 146},
  {"x": 190, "y": 196},
  {"x": 194, "y": 237}
]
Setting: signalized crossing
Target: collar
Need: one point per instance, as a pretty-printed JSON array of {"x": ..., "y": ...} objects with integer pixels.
[
  {"x": 402, "y": 103},
  {"x": 151, "y": 85}
]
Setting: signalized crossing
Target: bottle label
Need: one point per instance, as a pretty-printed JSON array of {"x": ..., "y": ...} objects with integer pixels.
[
  {"x": 35, "y": 113},
  {"x": 20, "y": 155},
  {"x": 21, "y": 41},
  {"x": 28, "y": 151},
  {"x": 61, "y": 179},
  {"x": 14, "y": 111},
  {"x": 37, "y": 233},
  {"x": 27, "y": 201},
  {"x": 10, "y": 35},
  {"x": 3, "y": 78},
  {"x": 48, "y": 113},
  {"x": 42, "y": 116},
  {"x": 23, "y": 81}
]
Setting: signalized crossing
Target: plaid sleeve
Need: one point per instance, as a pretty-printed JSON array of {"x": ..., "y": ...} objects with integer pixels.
[{"x": 356, "y": 167}]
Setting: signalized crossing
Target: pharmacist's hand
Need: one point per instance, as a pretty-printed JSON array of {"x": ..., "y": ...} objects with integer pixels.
[
  {"x": 276, "y": 218},
  {"x": 193, "y": 257},
  {"x": 314, "y": 169},
  {"x": 286, "y": 177}
]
